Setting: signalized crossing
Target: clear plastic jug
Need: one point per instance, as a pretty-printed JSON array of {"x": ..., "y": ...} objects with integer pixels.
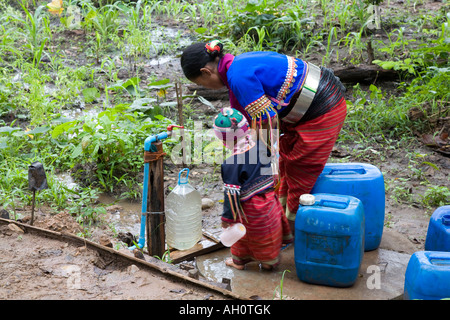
[{"x": 183, "y": 215}]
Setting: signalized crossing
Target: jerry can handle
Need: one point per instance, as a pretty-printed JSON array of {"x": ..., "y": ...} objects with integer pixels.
[
  {"x": 334, "y": 204},
  {"x": 345, "y": 171},
  {"x": 446, "y": 219},
  {"x": 185, "y": 179}
]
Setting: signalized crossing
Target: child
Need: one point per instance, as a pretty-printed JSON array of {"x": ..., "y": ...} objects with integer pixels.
[
  {"x": 272, "y": 90},
  {"x": 249, "y": 196}
]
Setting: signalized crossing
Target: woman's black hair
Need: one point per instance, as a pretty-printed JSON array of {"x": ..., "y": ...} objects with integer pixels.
[{"x": 196, "y": 56}]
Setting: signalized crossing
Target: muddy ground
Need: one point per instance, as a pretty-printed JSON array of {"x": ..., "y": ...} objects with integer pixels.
[{"x": 34, "y": 267}]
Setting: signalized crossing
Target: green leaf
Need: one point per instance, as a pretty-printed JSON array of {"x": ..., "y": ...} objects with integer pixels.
[
  {"x": 161, "y": 84},
  {"x": 169, "y": 104},
  {"x": 386, "y": 64},
  {"x": 9, "y": 130},
  {"x": 37, "y": 130},
  {"x": 206, "y": 102},
  {"x": 201, "y": 30},
  {"x": 142, "y": 104},
  {"x": 90, "y": 94},
  {"x": 123, "y": 85},
  {"x": 435, "y": 167},
  {"x": 77, "y": 151},
  {"x": 59, "y": 129}
]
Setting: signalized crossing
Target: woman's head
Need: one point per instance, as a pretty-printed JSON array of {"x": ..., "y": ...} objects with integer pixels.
[{"x": 199, "y": 62}]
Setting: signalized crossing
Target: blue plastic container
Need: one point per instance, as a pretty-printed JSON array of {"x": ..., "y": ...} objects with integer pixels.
[
  {"x": 438, "y": 234},
  {"x": 362, "y": 181},
  {"x": 427, "y": 276},
  {"x": 329, "y": 240}
]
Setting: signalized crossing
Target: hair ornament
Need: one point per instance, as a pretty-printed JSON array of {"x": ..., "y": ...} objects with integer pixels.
[{"x": 213, "y": 46}]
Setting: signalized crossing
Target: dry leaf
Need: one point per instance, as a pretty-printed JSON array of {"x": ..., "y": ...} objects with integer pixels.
[{"x": 55, "y": 7}]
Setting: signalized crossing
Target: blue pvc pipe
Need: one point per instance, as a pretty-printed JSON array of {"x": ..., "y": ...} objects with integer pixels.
[
  {"x": 147, "y": 145},
  {"x": 148, "y": 142}
]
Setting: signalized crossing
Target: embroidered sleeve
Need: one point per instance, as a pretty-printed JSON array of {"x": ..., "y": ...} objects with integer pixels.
[{"x": 261, "y": 109}]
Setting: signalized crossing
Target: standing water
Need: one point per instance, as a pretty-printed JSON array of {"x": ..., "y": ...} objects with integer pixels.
[{"x": 183, "y": 215}]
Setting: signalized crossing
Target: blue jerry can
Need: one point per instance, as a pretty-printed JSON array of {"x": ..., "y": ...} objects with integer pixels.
[
  {"x": 427, "y": 276},
  {"x": 362, "y": 181},
  {"x": 329, "y": 239},
  {"x": 438, "y": 234}
]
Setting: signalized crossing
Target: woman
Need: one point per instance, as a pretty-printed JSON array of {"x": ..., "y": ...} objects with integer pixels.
[{"x": 279, "y": 93}]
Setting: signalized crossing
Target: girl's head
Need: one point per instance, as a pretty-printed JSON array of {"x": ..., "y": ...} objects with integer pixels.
[
  {"x": 232, "y": 128},
  {"x": 199, "y": 62}
]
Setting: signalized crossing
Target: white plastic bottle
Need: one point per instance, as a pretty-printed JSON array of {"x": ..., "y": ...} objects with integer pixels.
[
  {"x": 183, "y": 215},
  {"x": 232, "y": 234}
]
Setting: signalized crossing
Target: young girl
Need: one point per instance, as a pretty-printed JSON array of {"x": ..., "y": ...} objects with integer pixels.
[
  {"x": 275, "y": 91},
  {"x": 249, "y": 196}
]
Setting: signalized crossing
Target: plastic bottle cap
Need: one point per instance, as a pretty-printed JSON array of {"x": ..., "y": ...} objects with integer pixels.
[{"x": 307, "y": 199}]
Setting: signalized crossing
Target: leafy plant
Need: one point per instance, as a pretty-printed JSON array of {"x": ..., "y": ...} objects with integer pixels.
[
  {"x": 37, "y": 29},
  {"x": 113, "y": 140},
  {"x": 436, "y": 196},
  {"x": 279, "y": 289}
]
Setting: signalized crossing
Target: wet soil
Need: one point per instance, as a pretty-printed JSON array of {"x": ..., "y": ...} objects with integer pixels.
[{"x": 34, "y": 267}]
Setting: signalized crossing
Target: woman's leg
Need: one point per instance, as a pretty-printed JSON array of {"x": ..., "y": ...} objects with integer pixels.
[{"x": 304, "y": 151}]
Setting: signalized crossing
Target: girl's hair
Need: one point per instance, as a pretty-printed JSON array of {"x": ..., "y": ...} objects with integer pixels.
[{"x": 197, "y": 55}]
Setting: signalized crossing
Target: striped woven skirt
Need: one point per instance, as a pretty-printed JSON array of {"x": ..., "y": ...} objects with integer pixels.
[
  {"x": 267, "y": 230},
  {"x": 304, "y": 150}
]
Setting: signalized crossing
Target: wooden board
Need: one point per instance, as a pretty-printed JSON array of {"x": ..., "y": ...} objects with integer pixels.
[{"x": 207, "y": 244}]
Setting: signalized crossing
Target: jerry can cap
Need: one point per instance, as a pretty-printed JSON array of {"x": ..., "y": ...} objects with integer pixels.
[{"x": 307, "y": 199}]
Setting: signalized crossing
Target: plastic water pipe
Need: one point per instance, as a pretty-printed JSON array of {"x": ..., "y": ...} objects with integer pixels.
[{"x": 147, "y": 147}]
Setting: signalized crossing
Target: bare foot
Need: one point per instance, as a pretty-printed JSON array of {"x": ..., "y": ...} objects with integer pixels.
[
  {"x": 229, "y": 262},
  {"x": 267, "y": 267}
]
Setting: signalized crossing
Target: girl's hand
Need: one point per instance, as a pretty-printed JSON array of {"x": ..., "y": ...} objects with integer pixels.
[{"x": 225, "y": 224}]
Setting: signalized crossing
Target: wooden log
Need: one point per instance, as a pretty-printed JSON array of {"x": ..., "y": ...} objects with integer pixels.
[
  {"x": 209, "y": 94},
  {"x": 156, "y": 239},
  {"x": 364, "y": 74}
]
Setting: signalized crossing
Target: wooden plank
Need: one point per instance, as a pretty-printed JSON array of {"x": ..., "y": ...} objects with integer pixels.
[
  {"x": 207, "y": 244},
  {"x": 202, "y": 247}
]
